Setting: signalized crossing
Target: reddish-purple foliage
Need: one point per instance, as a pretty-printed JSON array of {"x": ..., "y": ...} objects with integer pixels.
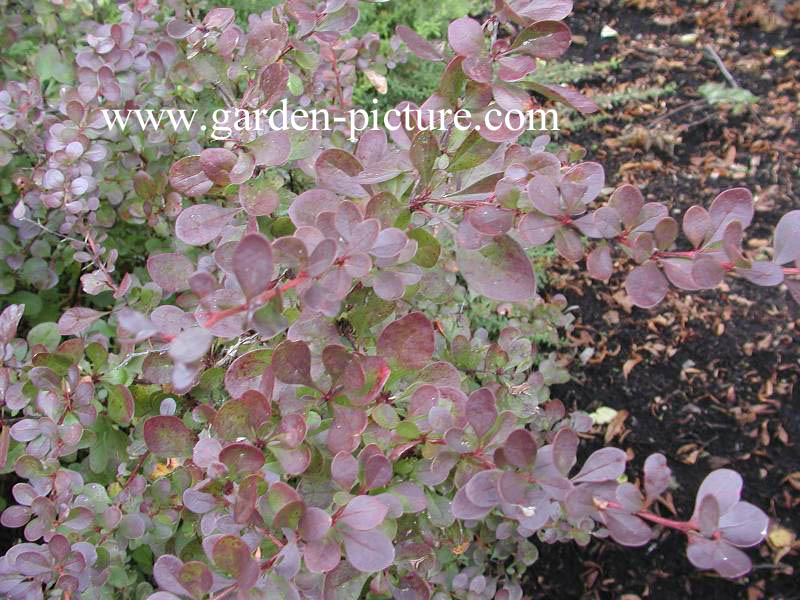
[{"x": 291, "y": 407}]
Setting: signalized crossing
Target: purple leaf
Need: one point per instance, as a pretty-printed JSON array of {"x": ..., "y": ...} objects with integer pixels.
[
  {"x": 627, "y": 529},
  {"x": 217, "y": 164},
  {"x": 252, "y": 264},
  {"x": 520, "y": 448},
  {"x": 187, "y": 177},
  {"x": 196, "y": 578},
  {"x": 271, "y": 149},
  {"x": 787, "y": 238},
  {"x": 566, "y": 95},
  {"x": 272, "y": 82},
  {"x": 490, "y": 220},
  {"x": 190, "y": 345},
  {"x": 322, "y": 257},
  {"x": 9, "y": 321},
  {"x": 314, "y": 524},
  {"x": 599, "y": 263},
  {"x": 389, "y": 243},
  {"x": 568, "y": 244},
  {"x": 744, "y": 525},
  {"x": 121, "y": 405},
  {"x": 515, "y": 68},
  {"x": 708, "y": 515},
  {"x": 322, "y": 556},
  {"x": 464, "y": 509},
  {"x": 466, "y": 36},
  {"x": 696, "y": 224},
  {"x": 725, "y": 485},
  {"x": 15, "y": 516},
  {"x": 33, "y": 564},
  {"x": 368, "y": 551},
  {"x": 131, "y": 526},
  {"x": 337, "y": 170},
  {"x": 305, "y": 208},
  {"x": 291, "y": 362},
  {"x": 199, "y": 502},
  {"x": 219, "y": 18},
  {"x": 170, "y": 271},
  {"x": 735, "y": 204},
  {"x": 377, "y": 471},
  {"x": 628, "y": 202},
  {"x": 242, "y": 416},
  {"x": 202, "y": 223},
  {"x": 411, "y": 494},
  {"x": 292, "y": 430},
  {"x": 232, "y": 556},
  {"x": 582, "y": 183},
  {"x": 763, "y": 273},
  {"x": 179, "y": 30},
  {"x": 387, "y": 285},
  {"x": 482, "y": 488},
  {"x": 417, "y": 44},
  {"x": 241, "y": 458},
  {"x": 646, "y": 285},
  {"x": 344, "y": 469},
  {"x": 604, "y": 464},
  {"x": 345, "y": 432},
  {"x": 343, "y": 583},
  {"x": 500, "y": 270},
  {"x": 545, "y": 196},
  {"x": 724, "y": 558},
  {"x": 543, "y": 39},
  {"x": 169, "y": 437},
  {"x": 707, "y": 273},
  {"x": 409, "y": 341},
  {"x": 76, "y": 320},
  {"x": 363, "y": 513},
  {"x": 656, "y": 476},
  {"x": 481, "y": 411},
  {"x": 165, "y": 572},
  {"x": 245, "y": 373},
  {"x": 513, "y": 488},
  {"x": 565, "y": 446},
  {"x": 293, "y": 461},
  {"x": 537, "y": 229}
]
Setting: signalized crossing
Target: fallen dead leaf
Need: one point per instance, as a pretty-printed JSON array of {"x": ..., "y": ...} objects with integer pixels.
[
  {"x": 629, "y": 365},
  {"x": 781, "y": 540},
  {"x": 617, "y": 426},
  {"x": 793, "y": 479}
]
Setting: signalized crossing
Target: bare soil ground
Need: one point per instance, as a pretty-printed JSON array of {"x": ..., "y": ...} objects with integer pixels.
[{"x": 709, "y": 379}]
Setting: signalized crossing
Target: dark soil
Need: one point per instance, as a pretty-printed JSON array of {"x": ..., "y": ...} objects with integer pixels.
[{"x": 708, "y": 379}]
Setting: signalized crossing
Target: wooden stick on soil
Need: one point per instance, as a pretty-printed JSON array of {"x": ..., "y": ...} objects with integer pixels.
[{"x": 713, "y": 54}]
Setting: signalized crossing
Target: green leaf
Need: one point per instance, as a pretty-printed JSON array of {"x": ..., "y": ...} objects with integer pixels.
[
  {"x": 49, "y": 64},
  {"x": 719, "y": 93},
  {"x": 120, "y": 404},
  {"x": 45, "y": 334},
  {"x": 424, "y": 152},
  {"x": 97, "y": 355},
  {"x": 98, "y": 452},
  {"x": 386, "y": 416},
  {"x": 428, "y": 248},
  {"x": 408, "y": 430},
  {"x": 474, "y": 151}
]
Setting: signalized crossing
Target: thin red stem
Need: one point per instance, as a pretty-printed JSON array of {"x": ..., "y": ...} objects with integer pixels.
[
  {"x": 685, "y": 526},
  {"x": 262, "y": 298}
]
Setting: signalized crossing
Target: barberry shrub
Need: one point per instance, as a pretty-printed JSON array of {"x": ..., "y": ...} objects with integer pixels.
[{"x": 288, "y": 400}]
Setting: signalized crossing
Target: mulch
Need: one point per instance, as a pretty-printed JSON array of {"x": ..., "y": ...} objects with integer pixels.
[{"x": 709, "y": 379}]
